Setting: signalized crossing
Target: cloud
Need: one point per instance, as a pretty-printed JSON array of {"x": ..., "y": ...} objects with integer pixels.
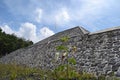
[
  {"x": 62, "y": 16},
  {"x": 92, "y": 8},
  {"x": 87, "y": 13},
  {"x": 28, "y": 31},
  {"x": 45, "y": 32},
  {"x": 67, "y": 13},
  {"x": 38, "y": 14},
  {"x": 7, "y": 29},
  {"x": 75, "y": 12}
]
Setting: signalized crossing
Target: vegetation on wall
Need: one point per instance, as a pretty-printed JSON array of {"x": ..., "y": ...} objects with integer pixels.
[
  {"x": 64, "y": 71},
  {"x": 9, "y": 43},
  {"x": 67, "y": 66},
  {"x": 19, "y": 72}
]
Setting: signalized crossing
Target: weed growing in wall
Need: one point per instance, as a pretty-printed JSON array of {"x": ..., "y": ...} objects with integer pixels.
[{"x": 66, "y": 69}]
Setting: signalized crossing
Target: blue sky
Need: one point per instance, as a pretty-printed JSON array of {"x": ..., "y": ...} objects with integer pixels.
[{"x": 38, "y": 19}]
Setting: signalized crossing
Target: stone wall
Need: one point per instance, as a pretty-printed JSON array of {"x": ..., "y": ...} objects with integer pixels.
[{"x": 96, "y": 52}]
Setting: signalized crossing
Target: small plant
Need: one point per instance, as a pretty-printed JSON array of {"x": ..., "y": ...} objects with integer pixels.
[
  {"x": 13, "y": 76},
  {"x": 14, "y": 72},
  {"x": 65, "y": 70},
  {"x": 65, "y": 38}
]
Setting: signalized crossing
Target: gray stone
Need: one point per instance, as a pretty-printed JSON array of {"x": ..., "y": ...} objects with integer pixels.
[
  {"x": 118, "y": 72},
  {"x": 97, "y": 52}
]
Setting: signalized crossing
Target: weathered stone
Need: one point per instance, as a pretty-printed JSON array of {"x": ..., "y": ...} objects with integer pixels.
[
  {"x": 97, "y": 52},
  {"x": 116, "y": 66},
  {"x": 107, "y": 68},
  {"x": 118, "y": 72}
]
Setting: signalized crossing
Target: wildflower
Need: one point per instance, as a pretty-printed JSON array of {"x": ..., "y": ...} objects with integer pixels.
[
  {"x": 74, "y": 49},
  {"x": 57, "y": 55},
  {"x": 64, "y": 55}
]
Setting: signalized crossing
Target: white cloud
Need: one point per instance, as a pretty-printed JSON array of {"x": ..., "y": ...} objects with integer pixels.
[
  {"x": 45, "y": 32},
  {"x": 62, "y": 16},
  {"x": 93, "y": 7},
  {"x": 78, "y": 12},
  {"x": 89, "y": 13},
  {"x": 29, "y": 31},
  {"x": 64, "y": 13},
  {"x": 7, "y": 29},
  {"x": 38, "y": 14}
]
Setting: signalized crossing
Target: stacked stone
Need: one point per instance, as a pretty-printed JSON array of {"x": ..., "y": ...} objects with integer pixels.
[{"x": 97, "y": 52}]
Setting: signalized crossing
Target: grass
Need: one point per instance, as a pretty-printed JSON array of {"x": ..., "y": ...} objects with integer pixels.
[{"x": 15, "y": 72}]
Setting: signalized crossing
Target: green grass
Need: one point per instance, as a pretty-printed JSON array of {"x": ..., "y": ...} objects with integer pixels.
[{"x": 15, "y": 72}]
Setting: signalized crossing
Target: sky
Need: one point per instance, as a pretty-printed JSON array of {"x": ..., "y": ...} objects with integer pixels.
[{"x": 38, "y": 19}]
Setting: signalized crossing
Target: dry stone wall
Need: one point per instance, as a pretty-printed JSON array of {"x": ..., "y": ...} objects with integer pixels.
[{"x": 98, "y": 53}]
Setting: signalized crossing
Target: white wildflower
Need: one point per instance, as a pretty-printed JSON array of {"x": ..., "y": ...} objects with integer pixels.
[
  {"x": 64, "y": 54},
  {"x": 57, "y": 55}
]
